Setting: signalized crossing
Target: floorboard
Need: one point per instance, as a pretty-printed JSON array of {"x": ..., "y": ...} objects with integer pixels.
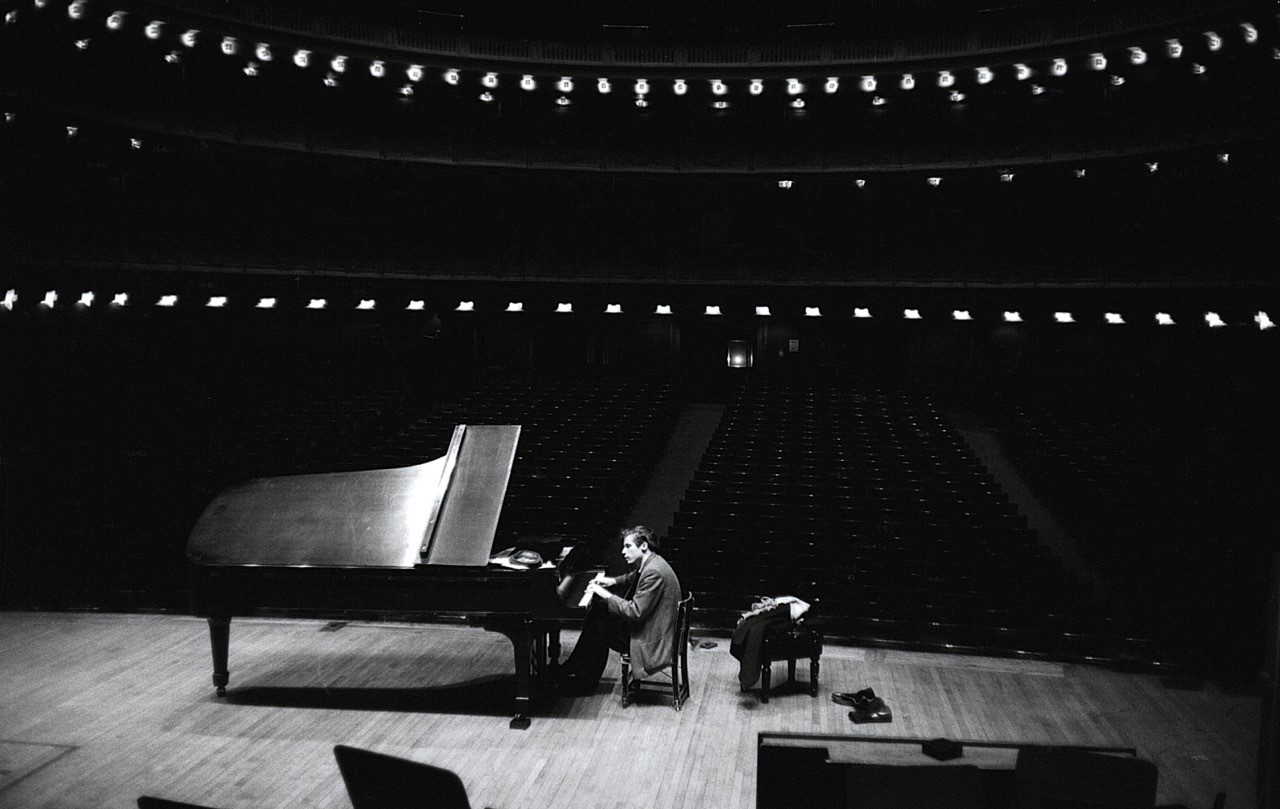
[{"x": 97, "y": 709}]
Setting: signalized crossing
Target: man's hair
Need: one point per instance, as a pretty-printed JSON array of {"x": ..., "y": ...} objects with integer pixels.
[{"x": 642, "y": 535}]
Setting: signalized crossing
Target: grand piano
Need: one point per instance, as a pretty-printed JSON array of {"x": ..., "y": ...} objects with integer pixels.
[{"x": 411, "y": 543}]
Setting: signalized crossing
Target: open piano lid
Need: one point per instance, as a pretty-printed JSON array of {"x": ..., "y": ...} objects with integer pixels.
[{"x": 443, "y": 512}]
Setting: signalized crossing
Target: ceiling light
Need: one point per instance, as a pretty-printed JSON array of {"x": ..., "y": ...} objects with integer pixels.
[
  {"x": 564, "y": 307},
  {"x": 908, "y": 81},
  {"x": 86, "y": 299},
  {"x": 640, "y": 102},
  {"x": 331, "y": 79},
  {"x": 642, "y": 87},
  {"x": 868, "y": 84},
  {"x": 366, "y": 304},
  {"x": 832, "y": 84},
  {"x": 338, "y": 64},
  {"x": 1037, "y": 90},
  {"x": 1250, "y": 32},
  {"x": 465, "y": 306},
  {"x": 1097, "y": 61},
  {"x": 1164, "y": 319},
  {"x": 1022, "y": 72},
  {"x": 11, "y": 17},
  {"x": 563, "y": 101},
  {"x": 1006, "y": 176},
  {"x": 302, "y": 58},
  {"x": 720, "y": 105},
  {"x": 861, "y": 183},
  {"x": 72, "y": 131},
  {"x": 416, "y": 306},
  {"x": 961, "y": 314},
  {"x": 229, "y": 46},
  {"x": 1063, "y": 317},
  {"x": 763, "y": 311},
  {"x": 115, "y": 20},
  {"x": 406, "y": 90},
  {"x": 515, "y": 306},
  {"x": 935, "y": 181},
  {"x": 603, "y": 86},
  {"x": 82, "y": 44},
  {"x": 217, "y": 301},
  {"x": 1012, "y": 317},
  {"x": 1116, "y": 81},
  {"x": 1059, "y": 67},
  {"x": 879, "y": 101},
  {"x": 1223, "y": 157},
  {"x": 812, "y": 311},
  {"x": 797, "y": 103},
  {"x": 984, "y": 75},
  {"x": 75, "y": 11},
  {"x": 120, "y": 299},
  {"x": 10, "y": 298},
  {"x": 679, "y": 87},
  {"x": 262, "y": 51},
  {"x": 489, "y": 80},
  {"x": 565, "y": 85},
  {"x": 662, "y": 309},
  {"x": 1114, "y": 319},
  {"x": 266, "y": 303},
  {"x": 1213, "y": 40},
  {"x": 486, "y": 96},
  {"x": 1153, "y": 167},
  {"x": 1199, "y": 69},
  {"x": 785, "y": 183},
  {"x": 1214, "y": 320},
  {"x": 1080, "y": 174},
  {"x": 861, "y": 312},
  {"x": 317, "y": 303},
  {"x": 946, "y": 78},
  {"x": 613, "y": 309},
  {"x": 377, "y": 68},
  {"x": 414, "y": 72},
  {"x": 251, "y": 69},
  {"x": 50, "y": 298},
  {"x": 756, "y": 87},
  {"x": 167, "y": 300},
  {"x": 794, "y": 87},
  {"x": 956, "y": 96},
  {"x": 1263, "y": 321},
  {"x": 527, "y": 82},
  {"x": 1137, "y": 55},
  {"x": 1173, "y": 48},
  {"x": 451, "y": 76},
  {"x": 712, "y": 310},
  {"x": 718, "y": 87},
  {"x": 154, "y": 29},
  {"x": 911, "y": 314}
]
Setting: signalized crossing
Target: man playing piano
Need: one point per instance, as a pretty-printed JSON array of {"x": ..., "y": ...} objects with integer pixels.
[{"x": 640, "y": 622}]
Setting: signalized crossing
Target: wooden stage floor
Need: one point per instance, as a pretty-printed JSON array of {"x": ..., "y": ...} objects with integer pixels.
[{"x": 97, "y": 709}]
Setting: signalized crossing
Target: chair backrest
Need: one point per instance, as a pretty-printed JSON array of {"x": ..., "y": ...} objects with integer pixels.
[
  {"x": 378, "y": 781},
  {"x": 684, "y": 615}
]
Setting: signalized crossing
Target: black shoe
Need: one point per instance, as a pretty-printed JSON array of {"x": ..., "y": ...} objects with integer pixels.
[
  {"x": 875, "y": 711},
  {"x": 858, "y": 699}
]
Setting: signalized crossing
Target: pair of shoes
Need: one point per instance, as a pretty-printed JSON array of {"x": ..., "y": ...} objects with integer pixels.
[
  {"x": 857, "y": 699},
  {"x": 873, "y": 711}
]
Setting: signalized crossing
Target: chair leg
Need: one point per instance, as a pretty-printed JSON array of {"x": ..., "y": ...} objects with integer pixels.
[
  {"x": 813, "y": 676},
  {"x": 765, "y": 671},
  {"x": 791, "y": 670},
  {"x": 626, "y": 681}
]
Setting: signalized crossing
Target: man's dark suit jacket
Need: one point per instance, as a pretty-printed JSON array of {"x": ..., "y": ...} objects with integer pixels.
[{"x": 650, "y": 610}]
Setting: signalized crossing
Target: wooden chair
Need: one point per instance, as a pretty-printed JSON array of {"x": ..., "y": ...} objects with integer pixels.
[
  {"x": 798, "y": 639},
  {"x": 677, "y": 670}
]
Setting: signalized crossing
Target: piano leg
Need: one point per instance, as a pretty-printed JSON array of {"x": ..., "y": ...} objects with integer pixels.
[
  {"x": 553, "y": 650},
  {"x": 219, "y": 641},
  {"x": 522, "y": 639}
]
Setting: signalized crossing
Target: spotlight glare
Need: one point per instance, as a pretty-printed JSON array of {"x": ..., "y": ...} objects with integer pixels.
[
  {"x": 1263, "y": 321},
  {"x": 11, "y": 17},
  {"x": 763, "y": 311},
  {"x": 338, "y": 64},
  {"x": 984, "y": 75},
  {"x": 451, "y": 76},
  {"x": 490, "y": 80},
  {"x": 1037, "y": 90},
  {"x": 251, "y": 69},
  {"x": 794, "y": 87},
  {"x": 527, "y": 82},
  {"x": 956, "y": 96},
  {"x": 167, "y": 300},
  {"x": 642, "y": 87},
  {"x": 665, "y": 309},
  {"x": 832, "y": 85},
  {"x": 1163, "y": 319},
  {"x": 1114, "y": 318},
  {"x": 1063, "y": 317},
  {"x": 911, "y": 314},
  {"x": 961, "y": 314},
  {"x": 75, "y": 11},
  {"x": 230, "y": 46},
  {"x": 120, "y": 299},
  {"x": 1022, "y": 71},
  {"x": 1213, "y": 40},
  {"x": 86, "y": 299},
  {"x": 718, "y": 87},
  {"x": 1080, "y": 173},
  {"x": 868, "y": 84},
  {"x": 217, "y": 301},
  {"x": 1223, "y": 157},
  {"x": 302, "y": 58},
  {"x": 515, "y": 306},
  {"x": 861, "y": 312},
  {"x": 564, "y": 307},
  {"x": 785, "y": 183},
  {"x": 1153, "y": 166},
  {"x": 1006, "y": 176},
  {"x": 613, "y": 309},
  {"x": 1097, "y": 61},
  {"x": 861, "y": 183},
  {"x": 1173, "y": 48},
  {"x": 377, "y": 68},
  {"x": 486, "y": 96},
  {"x": 263, "y": 51},
  {"x": 406, "y": 90},
  {"x": 1059, "y": 67},
  {"x": 1250, "y": 32},
  {"x": 1199, "y": 69},
  {"x": 154, "y": 29},
  {"x": 317, "y": 303},
  {"x": 465, "y": 306},
  {"x": 10, "y": 298},
  {"x": 1214, "y": 320},
  {"x": 1137, "y": 56},
  {"x": 604, "y": 86},
  {"x": 908, "y": 81},
  {"x": 797, "y": 103},
  {"x": 565, "y": 85},
  {"x": 756, "y": 87},
  {"x": 266, "y": 303},
  {"x": 115, "y": 20},
  {"x": 879, "y": 101},
  {"x": 366, "y": 304},
  {"x": 712, "y": 310},
  {"x": 679, "y": 87},
  {"x": 813, "y": 311},
  {"x": 1116, "y": 81},
  {"x": 1012, "y": 317},
  {"x": 82, "y": 44},
  {"x": 946, "y": 78},
  {"x": 720, "y": 105},
  {"x": 640, "y": 102},
  {"x": 935, "y": 181},
  {"x": 563, "y": 101},
  {"x": 331, "y": 79},
  {"x": 50, "y": 298},
  {"x": 414, "y": 73},
  {"x": 416, "y": 306}
]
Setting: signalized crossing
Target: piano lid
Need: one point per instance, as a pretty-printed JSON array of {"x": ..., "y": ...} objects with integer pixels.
[{"x": 443, "y": 512}]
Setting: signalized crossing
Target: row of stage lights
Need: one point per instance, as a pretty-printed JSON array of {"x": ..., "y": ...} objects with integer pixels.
[
  {"x": 947, "y": 79},
  {"x": 121, "y": 299}
]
